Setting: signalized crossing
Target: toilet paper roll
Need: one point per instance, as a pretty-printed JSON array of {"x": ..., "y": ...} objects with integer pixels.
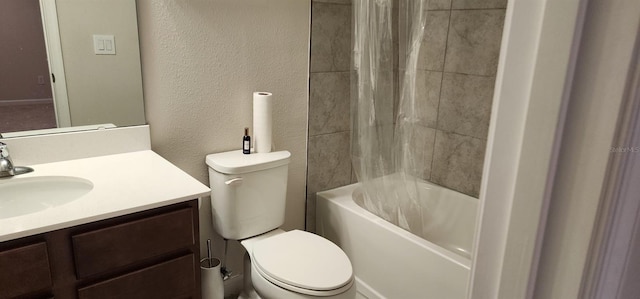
[{"x": 262, "y": 121}]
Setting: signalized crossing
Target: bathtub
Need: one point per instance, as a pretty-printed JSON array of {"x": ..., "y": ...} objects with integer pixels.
[{"x": 390, "y": 262}]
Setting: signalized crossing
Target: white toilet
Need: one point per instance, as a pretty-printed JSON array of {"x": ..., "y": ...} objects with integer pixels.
[{"x": 248, "y": 195}]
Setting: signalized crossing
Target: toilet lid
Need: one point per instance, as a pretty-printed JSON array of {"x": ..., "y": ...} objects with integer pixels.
[{"x": 303, "y": 260}]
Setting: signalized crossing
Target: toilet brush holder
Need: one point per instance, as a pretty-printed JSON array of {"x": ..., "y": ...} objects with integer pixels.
[{"x": 212, "y": 285}]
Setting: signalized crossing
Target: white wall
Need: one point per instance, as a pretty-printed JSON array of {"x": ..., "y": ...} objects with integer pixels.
[
  {"x": 602, "y": 70},
  {"x": 589, "y": 81},
  {"x": 101, "y": 88},
  {"x": 201, "y": 62}
]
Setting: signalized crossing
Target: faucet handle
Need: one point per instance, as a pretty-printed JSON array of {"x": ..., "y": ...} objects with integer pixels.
[
  {"x": 4, "y": 150},
  {"x": 6, "y": 165}
]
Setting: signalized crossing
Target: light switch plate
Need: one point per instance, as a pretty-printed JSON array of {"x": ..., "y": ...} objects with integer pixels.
[{"x": 104, "y": 44}]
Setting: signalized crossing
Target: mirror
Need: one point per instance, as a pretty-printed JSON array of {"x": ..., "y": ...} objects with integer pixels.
[{"x": 69, "y": 63}]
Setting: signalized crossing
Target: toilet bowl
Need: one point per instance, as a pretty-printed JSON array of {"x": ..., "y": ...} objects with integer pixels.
[
  {"x": 248, "y": 196},
  {"x": 297, "y": 265}
]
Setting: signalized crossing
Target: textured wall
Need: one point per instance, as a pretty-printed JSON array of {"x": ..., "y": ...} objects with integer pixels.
[{"x": 202, "y": 60}]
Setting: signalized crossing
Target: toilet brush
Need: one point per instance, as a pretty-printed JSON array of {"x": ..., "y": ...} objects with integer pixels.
[
  {"x": 212, "y": 284},
  {"x": 209, "y": 252}
]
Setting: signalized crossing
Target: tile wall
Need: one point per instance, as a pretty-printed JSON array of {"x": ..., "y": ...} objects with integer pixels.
[
  {"x": 328, "y": 150},
  {"x": 456, "y": 76}
]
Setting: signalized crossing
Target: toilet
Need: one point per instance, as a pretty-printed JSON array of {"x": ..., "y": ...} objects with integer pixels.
[{"x": 248, "y": 196}]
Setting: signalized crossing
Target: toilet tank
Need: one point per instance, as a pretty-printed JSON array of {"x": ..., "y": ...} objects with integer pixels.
[{"x": 248, "y": 192}]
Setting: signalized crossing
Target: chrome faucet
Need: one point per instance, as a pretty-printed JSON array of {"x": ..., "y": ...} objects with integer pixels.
[{"x": 6, "y": 165}]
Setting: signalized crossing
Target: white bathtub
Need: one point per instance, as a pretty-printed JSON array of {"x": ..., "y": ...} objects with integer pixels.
[{"x": 390, "y": 262}]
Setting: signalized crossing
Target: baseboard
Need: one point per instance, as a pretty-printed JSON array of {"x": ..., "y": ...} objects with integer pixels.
[{"x": 26, "y": 102}]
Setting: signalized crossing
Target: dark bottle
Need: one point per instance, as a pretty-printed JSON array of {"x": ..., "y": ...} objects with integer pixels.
[{"x": 246, "y": 142}]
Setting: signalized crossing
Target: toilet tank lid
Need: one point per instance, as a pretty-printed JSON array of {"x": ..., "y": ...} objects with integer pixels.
[{"x": 235, "y": 162}]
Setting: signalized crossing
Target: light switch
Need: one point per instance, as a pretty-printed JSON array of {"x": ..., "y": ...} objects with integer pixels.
[{"x": 104, "y": 44}]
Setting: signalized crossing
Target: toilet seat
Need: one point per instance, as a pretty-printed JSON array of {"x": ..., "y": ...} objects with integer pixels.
[{"x": 303, "y": 262}]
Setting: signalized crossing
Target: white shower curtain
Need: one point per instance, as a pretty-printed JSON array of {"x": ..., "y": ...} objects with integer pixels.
[{"x": 385, "y": 162}]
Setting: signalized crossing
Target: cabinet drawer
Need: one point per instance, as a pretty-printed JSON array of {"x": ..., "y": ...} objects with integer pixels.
[
  {"x": 24, "y": 270},
  {"x": 112, "y": 247},
  {"x": 172, "y": 279}
]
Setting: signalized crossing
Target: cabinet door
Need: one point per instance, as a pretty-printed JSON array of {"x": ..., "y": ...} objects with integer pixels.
[
  {"x": 172, "y": 279},
  {"x": 24, "y": 271},
  {"x": 109, "y": 248}
]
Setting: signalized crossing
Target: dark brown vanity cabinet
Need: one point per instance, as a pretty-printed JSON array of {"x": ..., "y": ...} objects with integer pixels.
[
  {"x": 150, "y": 254},
  {"x": 24, "y": 270}
]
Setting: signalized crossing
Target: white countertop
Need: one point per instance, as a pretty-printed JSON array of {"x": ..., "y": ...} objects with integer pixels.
[{"x": 122, "y": 184}]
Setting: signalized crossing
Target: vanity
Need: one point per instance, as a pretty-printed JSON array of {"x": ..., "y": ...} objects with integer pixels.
[
  {"x": 133, "y": 234},
  {"x": 151, "y": 254}
]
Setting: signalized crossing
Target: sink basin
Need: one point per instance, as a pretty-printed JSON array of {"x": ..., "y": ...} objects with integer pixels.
[{"x": 21, "y": 196}]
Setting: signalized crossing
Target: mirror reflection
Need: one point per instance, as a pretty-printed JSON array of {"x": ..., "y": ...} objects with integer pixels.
[{"x": 69, "y": 63}]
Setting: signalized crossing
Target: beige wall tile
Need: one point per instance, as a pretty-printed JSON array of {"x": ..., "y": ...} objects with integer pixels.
[
  {"x": 330, "y": 37},
  {"x": 329, "y": 161},
  {"x": 461, "y": 42},
  {"x": 422, "y": 144},
  {"x": 457, "y": 162},
  {"x": 434, "y": 42},
  {"x": 473, "y": 45},
  {"x": 427, "y": 97},
  {"x": 310, "y": 218},
  {"x": 465, "y": 104},
  {"x": 329, "y": 103},
  {"x": 438, "y": 4},
  {"x": 374, "y": 154}
]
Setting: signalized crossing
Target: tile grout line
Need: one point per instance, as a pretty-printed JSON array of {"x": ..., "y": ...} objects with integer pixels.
[
  {"x": 435, "y": 137},
  {"x": 475, "y": 9},
  {"x": 329, "y": 133},
  {"x": 456, "y": 73}
]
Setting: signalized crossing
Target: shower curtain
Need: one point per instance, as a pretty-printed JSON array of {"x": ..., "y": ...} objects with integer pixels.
[{"x": 383, "y": 108}]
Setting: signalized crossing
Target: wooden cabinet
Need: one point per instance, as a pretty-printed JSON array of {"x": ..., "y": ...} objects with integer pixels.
[
  {"x": 150, "y": 254},
  {"x": 117, "y": 246},
  {"x": 172, "y": 279},
  {"x": 24, "y": 271}
]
